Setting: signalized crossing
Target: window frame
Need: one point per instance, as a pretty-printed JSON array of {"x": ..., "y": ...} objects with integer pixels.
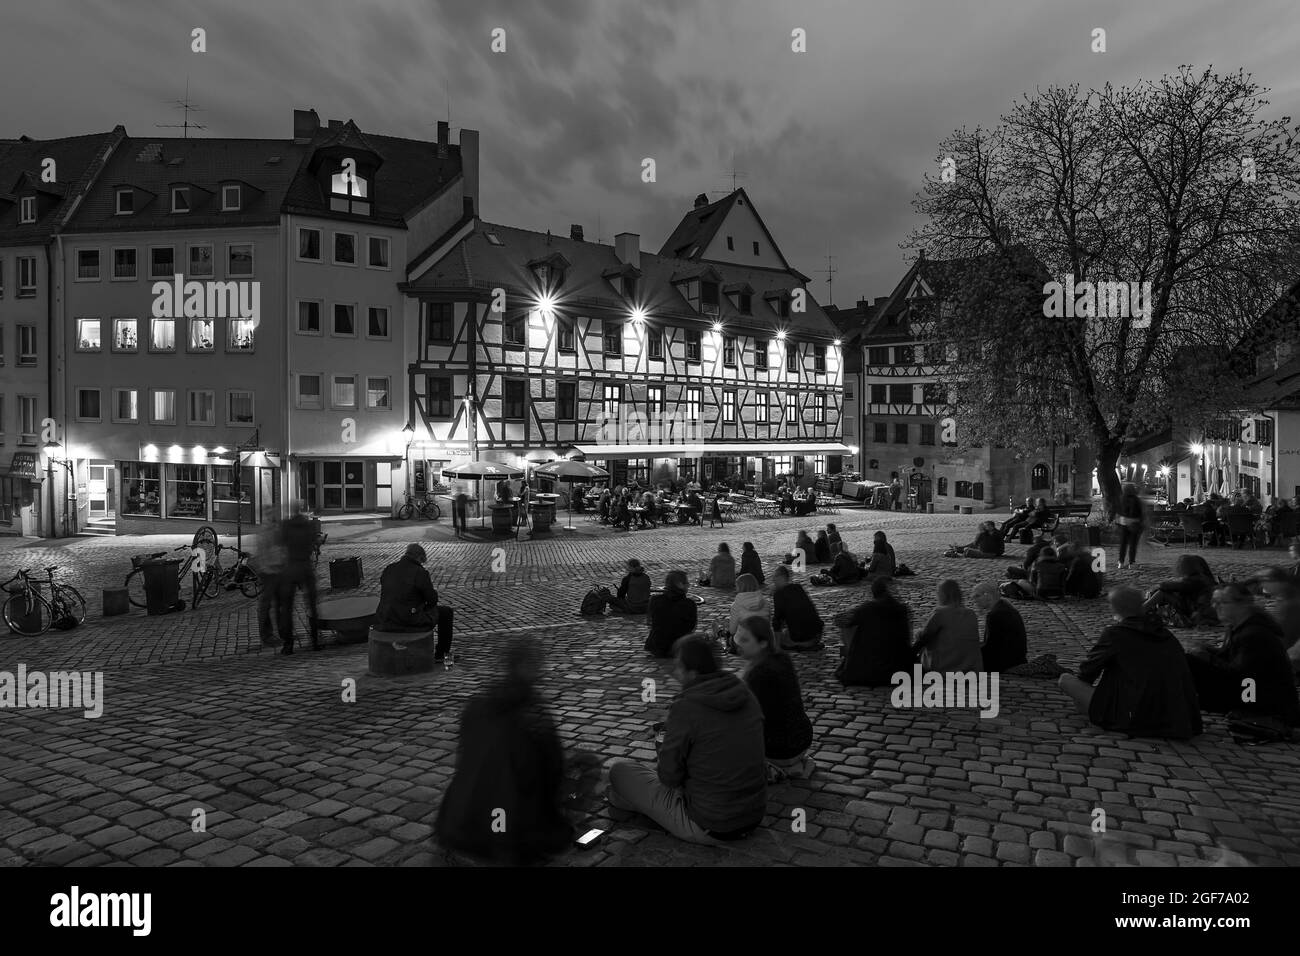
[
  {"x": 566, "y": 409},
  {"x": 153, "y": 320},
  {"x": 694, "y": 343},
  {"x": 176, "y": 191},
  {"x": 334, "y": 324},
  {"x": 429, "y": 324},
  {"x": 654, "y": 344},
  {"x": 113, "y": 346},
  {"x": 388, "y": 393},
  {"x": 791, "y": 358},
  {"x": 320, "y": 244},
  {"x": 510, "y": 384},
  {"x": 611, "y": 331},
  {"x": 252, "y": 260},
  {"x": 99, "y": 324},
  {"x": 189, "y": 407},
  {"x": 819, "y": 408},
  {"x": 334, "y": 249},
  {"x": 99, "y": 400},
  {"x": 28, "y": 359},
  {"x": 729, "y": 351},
  {"x": 171, "y": 273},
  {"x": 25, "y": 402},
  {"x": 514, "y": 331},
  {"x": 232, "y": 326},
  {"x": 762, "y": 405},
  {"x": 116, "y": 392},
  {"x": 99, "y": 265},
  {"x": 190, "y": 324},
  {"x": 320, "y": 391},
  {"x": 902, "y": 429},
  {"x": 387, "y": 334},
  {"x": 819, "y": 359},
  {"x": 880, "y": 433},
  {"x": 793, "y": 414},
  {"x": 388, "y": 254},
  {"x": 135, "y": 264},
  {"x": 694, "y": 404},
  {"x": 190, "y": 247},
  {"x": 117, "y": 201},
  {"x": 26, "y": 210},
  {"x": 729, "y": 406},
  {"x": 429, "y": 409},
  {"x": 239, "y": 197},
  {"x": 879, "y": 393},
  {"x": 334, "y": 381},
  {"x": 252, "y": 404},
  {"x": 320, "y": 317},
  {"x": 895, "y": 389}
]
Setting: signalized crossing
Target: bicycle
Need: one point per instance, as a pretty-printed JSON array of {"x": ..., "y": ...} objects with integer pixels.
[
  {"x": 64, "y": 609},
  {"x": 202, "y": 552},
  {"x": 426, "y": 507},
  {"x": 239, "y": 575}
]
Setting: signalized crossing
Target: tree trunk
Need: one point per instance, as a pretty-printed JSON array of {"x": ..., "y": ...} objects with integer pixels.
[{"x": 1107, "y": 478}]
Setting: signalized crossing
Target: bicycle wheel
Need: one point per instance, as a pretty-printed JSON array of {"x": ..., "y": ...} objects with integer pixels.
[
  {"x": 69, "y": 602},
  {"x": 250, "y": 582},
  {"x": 404, "y": 513},
  {"x": 212, "y": 582},
  {"x": 206, "y": 538},
  {"x": 432, "y": 511},
  {"x": 28, "y": 621},
  {"x": 134, "y": 585}
]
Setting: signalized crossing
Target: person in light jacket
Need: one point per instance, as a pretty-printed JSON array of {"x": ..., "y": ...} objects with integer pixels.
[
  {"x": 722, "y": 569},
  {"x": 950, "y": 641}
]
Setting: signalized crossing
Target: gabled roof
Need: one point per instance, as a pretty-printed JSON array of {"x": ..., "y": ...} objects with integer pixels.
[
  {"x": 77, "y": 159},
  {"x": 208, "y": 162},
  {"x": 1277, "y": 389},
  {"x": 699, "y": 227},
  {"x": 478, "y": 265}
]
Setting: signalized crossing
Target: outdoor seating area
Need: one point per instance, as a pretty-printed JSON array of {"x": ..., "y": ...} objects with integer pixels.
[{"x": 692, "y": 508}]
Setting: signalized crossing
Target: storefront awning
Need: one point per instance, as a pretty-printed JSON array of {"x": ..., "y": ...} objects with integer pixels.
[{"x": 712, "y": 450}]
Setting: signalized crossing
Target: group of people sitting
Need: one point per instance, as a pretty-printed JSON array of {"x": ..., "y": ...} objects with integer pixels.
[
  {"x": 1054, "y": 569},
  {"x": 1033, "y": 516},
  {"x": 1216, "y": 513}
]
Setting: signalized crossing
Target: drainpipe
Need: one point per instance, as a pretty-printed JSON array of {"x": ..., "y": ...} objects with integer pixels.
[{"x": 51, "y": 320}]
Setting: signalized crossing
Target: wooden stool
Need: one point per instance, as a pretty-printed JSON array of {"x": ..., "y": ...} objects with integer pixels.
[
  {"x": 395, "y": 654},
  {"x": 115, "y": 601}
]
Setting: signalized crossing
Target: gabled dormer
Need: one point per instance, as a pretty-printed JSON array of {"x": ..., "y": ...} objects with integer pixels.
[
  {"x": 778, "y": 300},
  {"x": 702, "y": 288},
  {"x": 742, "y": 296},
  {"x": 235, "y": 195},
  {"x": 185, "y": 197},
  {"x": 626, "y": 280},
  {"x": 129, "y": 200},
  {"x": 33, "y": 198},
  {"x": 548, "y": 272},
  {"x": 345, "y": 166}
]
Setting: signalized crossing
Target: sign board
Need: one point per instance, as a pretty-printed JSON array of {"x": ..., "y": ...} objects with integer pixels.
[{"x": 24, "y": 466}]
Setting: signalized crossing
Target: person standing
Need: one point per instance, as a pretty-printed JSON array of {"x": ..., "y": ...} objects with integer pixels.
[
  {"x": 459, "y": 511},
  {"x": 1131, "y": 523},
  {"x": 298, "y": 537},
  {"x": 270, "y": 569},
  {"x": 408, "y": 601},
  {"x": 896, "y": 494}
]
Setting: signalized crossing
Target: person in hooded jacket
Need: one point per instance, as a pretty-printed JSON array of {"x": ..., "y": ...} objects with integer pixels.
[
  {"x": 749, "y": 602},
  {"x": 1145, "y": 687},
  {"x": 750, "y": 563},
  {"x": 710, "y": 786},
  {"x": 794, "y": 613},
  {"x": 509, "y": 758},
  {"x": 1253, "y": 649},
  {"x": 672, "y": 615},
  {"x": 633, "y": 596},
  {"x": 803, "y": 545},
  {"x": 879, "y": 639}
]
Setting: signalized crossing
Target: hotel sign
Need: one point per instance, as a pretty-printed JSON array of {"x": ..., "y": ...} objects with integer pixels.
[{"x": 24, "y": 465}]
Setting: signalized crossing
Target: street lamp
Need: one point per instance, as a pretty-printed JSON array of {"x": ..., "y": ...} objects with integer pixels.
[{"x": 49, "y": 449}]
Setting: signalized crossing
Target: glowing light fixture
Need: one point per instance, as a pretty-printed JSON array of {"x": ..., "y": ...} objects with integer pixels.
[
  {"x": 220, "y": 450},
  {"x": 1198, "y": 448},
  {"x": 781, "y": 335},
  {"x": 638, "y": 314},
  {"x": 717, "y": 326},
  {"x": 200, "y": 452},
  {"x": 837, "y": 343},
  {"x": 151, "y": 451},
  {"x": 174, "y": 451},
  {"x": 546, "y": 303}
]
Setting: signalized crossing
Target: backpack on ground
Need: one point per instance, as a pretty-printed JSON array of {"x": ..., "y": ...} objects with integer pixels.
[
  {"x": 903, "y": 571},
  {"x": 594, "y": 601}
]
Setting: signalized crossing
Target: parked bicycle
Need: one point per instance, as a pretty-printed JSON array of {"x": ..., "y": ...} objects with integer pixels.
[
  {"x": 29, "y": 613},
  {"x": 425, "y": 507},
  {"x": 239, "y": 575},
  {"x": 202, "y": 552}
]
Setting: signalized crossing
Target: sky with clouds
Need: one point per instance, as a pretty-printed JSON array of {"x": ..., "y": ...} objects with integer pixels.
[{"x": 833, "y": 143}]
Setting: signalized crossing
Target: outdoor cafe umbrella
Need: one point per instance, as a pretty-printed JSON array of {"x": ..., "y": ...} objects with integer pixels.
[
  {"x": 464, "y": 468},
  {"x": 572, "y": 471}
]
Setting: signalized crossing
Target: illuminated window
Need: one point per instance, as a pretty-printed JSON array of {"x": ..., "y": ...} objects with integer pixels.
[
  {"x": 202, "y": 332},
  {"x": 761, "y": 402},
  {"x": 694, "y": 404},
  {"x": 88, "y": 338},
  {"x": 729, "y": 405},
  {"x": 344, "y": 391},
  {"x": 200, "y": 260},
  {"x": 162, "y": 335},
  {"x": 819, "y": 408},
  {"x": 350, "y": 192},
  {"x": 378, "y": 391},
  {"x": 126, "y": 335},
  {"x": 241, "y": 335}
]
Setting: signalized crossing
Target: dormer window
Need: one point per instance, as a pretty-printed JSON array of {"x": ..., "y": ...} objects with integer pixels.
[
  {"x": 709, "y": 297},
  {"x": 180, "y": 199},
  {"x": 125, "y": 202},
  {"x": 629, "y": 287},
  {"x": 780, "y": 304},
  {"x": 27, "y": 209},
  {"x": 746, "y": 303},
  {"x": 549, "y": 273},
  {"x": 231, "y": 197},
  {"x": 350, "y": 191}
]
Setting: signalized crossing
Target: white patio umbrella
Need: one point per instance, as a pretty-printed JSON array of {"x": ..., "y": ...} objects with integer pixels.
[
  {"x": 571, "y": 471},
  {"x": 464, "y": 468}
]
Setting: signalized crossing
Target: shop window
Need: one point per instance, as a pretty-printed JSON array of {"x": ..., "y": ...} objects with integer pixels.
[
  {"x": 228, "y": 500},
  {"x": 187, "y": 491},
  {"x": 141, "y": 489}
]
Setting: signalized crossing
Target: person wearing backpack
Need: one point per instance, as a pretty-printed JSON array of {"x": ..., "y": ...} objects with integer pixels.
[{"x": 633, "y": 595}]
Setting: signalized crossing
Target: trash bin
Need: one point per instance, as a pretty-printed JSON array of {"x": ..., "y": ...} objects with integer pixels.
[
  {"x": 503, "y": 519},
  {"x": 345, "y": 573},
  {"x": 162, "y": 589},
  {"x": 543, "y": 516}
]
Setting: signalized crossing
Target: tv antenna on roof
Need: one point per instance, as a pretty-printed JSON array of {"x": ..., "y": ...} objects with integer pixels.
[
  {"x": 735, "y": 175},
  {"x": 189, "y": 107},
  {"x": 830, "y": 271}
]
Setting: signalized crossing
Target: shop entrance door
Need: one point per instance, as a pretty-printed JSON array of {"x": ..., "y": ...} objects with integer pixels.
[{"x": 101, "y": 487}]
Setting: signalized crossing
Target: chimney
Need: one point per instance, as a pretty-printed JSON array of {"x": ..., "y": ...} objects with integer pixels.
[
  {"x": 336, "y": 124},
  {"x": 444, "y": 132},
  {"x": 701, "y": 200},
  {"x": 469, "y": 166},
  {"x": 575, "y": 232},
  {"x": 627, "y": 247},
  {"x": 305, "y": 125}
]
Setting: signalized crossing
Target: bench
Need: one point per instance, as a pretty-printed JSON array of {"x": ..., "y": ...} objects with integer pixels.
[{"x": 1059, "y": 513}]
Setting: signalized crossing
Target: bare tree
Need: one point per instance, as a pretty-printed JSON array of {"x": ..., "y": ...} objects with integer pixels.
[{"x": 1176, "y": 182}]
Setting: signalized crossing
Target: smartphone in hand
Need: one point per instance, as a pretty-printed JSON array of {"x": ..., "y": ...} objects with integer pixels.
[{"x": 590, "y": 838}]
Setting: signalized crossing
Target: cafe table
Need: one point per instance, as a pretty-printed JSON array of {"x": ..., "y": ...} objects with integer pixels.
[{"x": 349, "y": 617}]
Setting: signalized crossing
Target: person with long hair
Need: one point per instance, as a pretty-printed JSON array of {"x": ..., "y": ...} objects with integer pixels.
[
  {"x": 672, "y": 614},
  {"x": 950, "y": 641},
  {"x": 1131, "y": 518},
  {"x": 1190, "y": 594},
  {"x": 803, "y": 545},
  {"x": 771, "y": 678},
  {"x": 882, "y": 561}
]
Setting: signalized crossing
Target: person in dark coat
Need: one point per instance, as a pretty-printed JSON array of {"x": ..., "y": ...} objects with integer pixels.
[
  {"x": 1145, "y": 687},
  {"x": 1210, "y": 524},
  {"x": 509, "y": 760},
  {"x": 803, "y": 544},
  {"x": 1190, "y": 594},
  {"x": 822, "y": 548},
  {"x": 1131, "y": 518},
  {"x": 793, "y": 610},
  {"x": 771, "y": 678},
  {"x": 882, "y": 560},
  {"x": 845, "y": 569},
  {"x": 1253, "y": 648},
  {"x": 835, "y": 542},
  {"x": 672, "y": 615},
  {"x": 298, "y": 538},
  {"x": 750, "y": 563},
  {"x": 1020, "y": 517},
  {"x": 633, "y": 595},
  {"x": 879, "y": 639},
  {"x": 1006, "y": 645},
  {"x": 408, "y": 601},
  {"x": 988, "y": 543},
  {"x": 1080, "y": 579}
]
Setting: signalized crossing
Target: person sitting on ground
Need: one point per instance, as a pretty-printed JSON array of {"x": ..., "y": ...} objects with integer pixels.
[
  {"x": 672, "y": 614},
  {"x": 833, "y": 539},
  {"x": 1285, "y": 593},
  {"x": 1034, "y": 553},
  {"x": 722, "y": 570},
  {"x": 633, "y": 596},
  {"x": 509, "y": 757},
  {"x": 1011, "y": 527},
  {"x": 822, "y": 548},
  {"x": 1253, "y": 649},
  {"x": 882, "y": 561},
  {"x": 711, "y": 782},
  {"x": 988, "y": 543},
  {"x": 950, "y": 641},
  {"x": 408, "y": 601},
  {"x": 1048, "y": 575},
  {"x": 879, "y": 639},
  {"x": 845, "y": 569},
  {"x": 794, "y": 616},
  {"x": 771, "y": 678},
  {"x": 1190, "y": 595},
  {"x": 750, "y": 563},
  {"x": 1146, "y": 689},
  {"x": 1006, "y": 644},
  {"x": 1080, "y": 578},
  {"x": 803, "y": 547},
  {"x": 749, "y": 602}
]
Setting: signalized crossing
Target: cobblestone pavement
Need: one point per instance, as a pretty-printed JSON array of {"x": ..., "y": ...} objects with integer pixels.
[{"x": 197, "y": 716}]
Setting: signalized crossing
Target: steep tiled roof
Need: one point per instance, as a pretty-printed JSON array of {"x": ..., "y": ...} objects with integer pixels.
[
  {"x": 504, "y": 265},
  {"x": 20, "y": 161},
  {"x": 1277, "y": 389},
  {"x": 153, "y": 164},
  {"x": 411, "y": 174},
  {"x": 697, "y": 228}
]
